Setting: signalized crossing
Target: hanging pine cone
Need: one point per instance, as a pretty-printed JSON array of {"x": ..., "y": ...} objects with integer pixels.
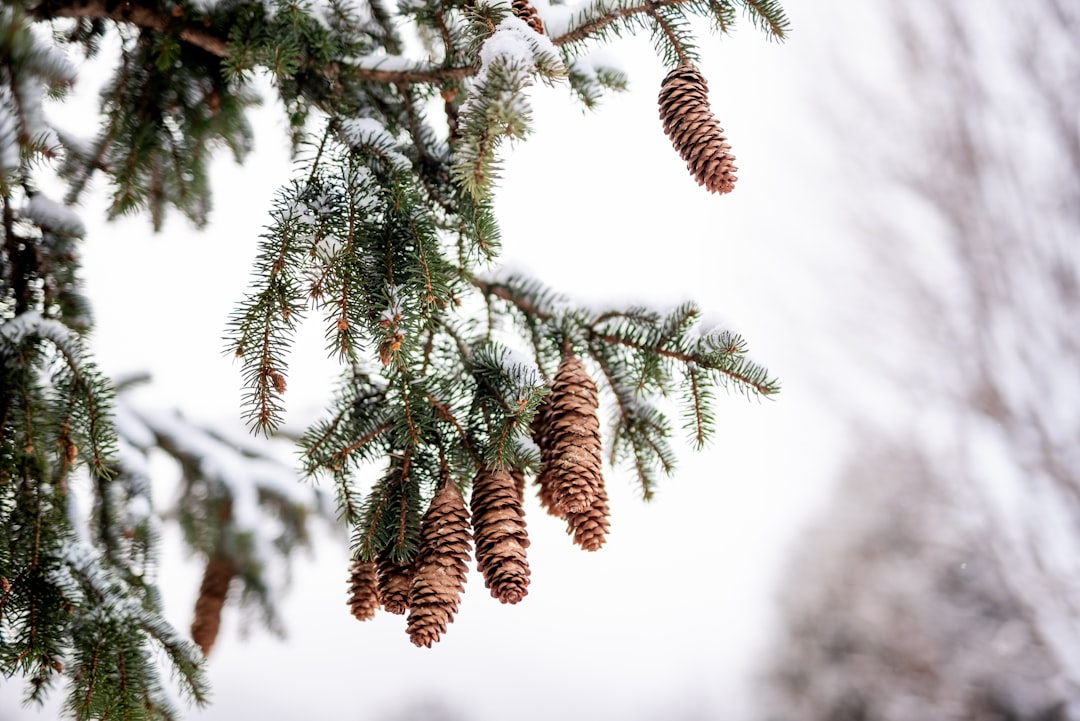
[
  {"x": 501, "y": 540},
  {"x": 519, "y": 484},
  {"x": 572, "y": 462},
  {"x": 695, "y": 133},
  {"x": 363, "y": 590},
  {"x": 528, "y": 13},
  {"x": 589, "y": 528},
  {"x": 394, "y": 579},
  {"x": 441, "y": 565},
  {"x": 215, "y": 586},
  {"x": 542, "y": 438}
]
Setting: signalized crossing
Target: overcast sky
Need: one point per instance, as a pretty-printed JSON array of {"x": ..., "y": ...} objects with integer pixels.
[{"x": 667, "y": 619}]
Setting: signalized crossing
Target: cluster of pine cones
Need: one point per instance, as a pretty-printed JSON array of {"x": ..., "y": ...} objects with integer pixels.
[{"x": 428, "y": 589}]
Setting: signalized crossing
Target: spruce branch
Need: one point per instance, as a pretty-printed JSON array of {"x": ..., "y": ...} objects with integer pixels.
[
  {"x": 600, "y": 18},
  {"x": 146, "y": 15},
  {"x": 769, "y": 16},
  {"x": 380, "y": 236}
]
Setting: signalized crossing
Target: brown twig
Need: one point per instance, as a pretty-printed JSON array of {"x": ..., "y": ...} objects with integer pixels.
[{"x": 582, "y": 32}]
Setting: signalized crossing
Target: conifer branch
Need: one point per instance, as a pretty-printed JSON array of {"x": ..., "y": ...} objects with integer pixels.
[
  {"x": 142, "y": 15},
  {"x": 605, "y": 17},
  {"x": 348, "y": 450},
  {"x": 363, "y": 239},
  {"x": 768, "y": 15},
  {"x": 135, "y": 13},
  {"x": 444, "y": 413},
  {"x": 742, "y": 374}
]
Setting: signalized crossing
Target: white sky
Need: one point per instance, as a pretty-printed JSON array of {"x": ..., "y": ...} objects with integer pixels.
[{"x": 666, "y": 620}]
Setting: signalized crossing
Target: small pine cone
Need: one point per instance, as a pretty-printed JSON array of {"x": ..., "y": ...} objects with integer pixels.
[
  {"x": 590, "y": 527},
  {"x": 528, "y": 13},
  {"x": 441, "y": 566},
  {"x": 394, "y": 579},
  {"x": 215, "y": 586},
  {"x": 695, "y": 133},
  {"x": 501, "y": 540},
  {"x": 363, "y": 590},
  {"x": 572, "y": 434}
]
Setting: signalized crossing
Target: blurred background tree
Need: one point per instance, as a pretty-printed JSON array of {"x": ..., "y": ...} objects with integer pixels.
[{"x": 945, "y": 581}]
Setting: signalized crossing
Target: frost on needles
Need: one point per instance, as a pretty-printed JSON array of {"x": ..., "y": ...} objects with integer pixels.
[{"x": 463, "y": 384}]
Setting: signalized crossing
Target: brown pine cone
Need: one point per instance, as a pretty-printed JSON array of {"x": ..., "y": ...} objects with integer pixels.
[
  {"x": 394, "y": 579},
  {"x": 542, "y": 438},
  {"x": 589, "y": 528},
  {"x": 441, "y": 566},
  {"x": 546, "y": 493},
  {"x": 519, "y": 484},
  {"x": 363, "y": 590},
  {"x": 215, "y": 586},
  {"x": 572, "y": 463},
  {"x": 694, "y": 131},
  {"x": 501, "y": 540},
  {"x": 528, "y": 13}
]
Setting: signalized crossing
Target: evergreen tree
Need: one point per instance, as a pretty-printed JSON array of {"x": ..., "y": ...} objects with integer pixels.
[
  {"x": 943, "y": 581},
  {"x": 387, "y": 235}
]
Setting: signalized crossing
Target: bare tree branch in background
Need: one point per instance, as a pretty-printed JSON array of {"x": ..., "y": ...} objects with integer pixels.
[
  {"x": 970, "y": 310},
  {"x": 898, "y": 610}
]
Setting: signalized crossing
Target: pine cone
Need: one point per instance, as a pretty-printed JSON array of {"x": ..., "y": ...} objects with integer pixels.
[
  {"x": 441, "y": 565},
  {"x": 572, "y": 464},
  {"x": 363, "y": 590},
  {"x": 542, "y": 438},
  {"x": 590, "y": 527},
  {"x": 519, "y": 485},
  {"x": 394, "y": 579},
  {"x": 215, "y": 586},
  {"x": 695, "y": 133},
  {"x": 528, "y": 13},
  {"x": 501, "y": 540},
  {"x": 546, "y": 493}
]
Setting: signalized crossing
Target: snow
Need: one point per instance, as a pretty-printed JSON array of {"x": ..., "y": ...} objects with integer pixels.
[
  {"x": 9, "y": 145},
  {"x": 392, "y": 313},
  {"x": 222, "y": 461},
  {"x": 83, "y": 147},
  {"x": 53, "y": 216},
  {"x": 509, "y": 44},
  {"x": 360, "y": 132},
  {"x": 130, "y": 428},
  {"x": 382, "y": 61},
  {"x": 556, "y": 18},
  {"x": 16, "y": 330},
  {"x": 520, "y": 367}
]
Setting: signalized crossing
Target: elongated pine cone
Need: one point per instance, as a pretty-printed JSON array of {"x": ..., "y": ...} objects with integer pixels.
[
  {"x": 528, "y": 13},
  {"x": 394, "y": 579},
  {"x": 363, "y": 590},
  {"x": 695, "y": 133},
  {"x": 501, "y": 540},
  {"x": 215, "y": 586},
  {"x": 542, "y": 438},
  {"x": 589, "y": 528},
  {"x": 571, "y": 448},
  {"x": 441, "y": 565},
  {"x": 519, "y": 485}
]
